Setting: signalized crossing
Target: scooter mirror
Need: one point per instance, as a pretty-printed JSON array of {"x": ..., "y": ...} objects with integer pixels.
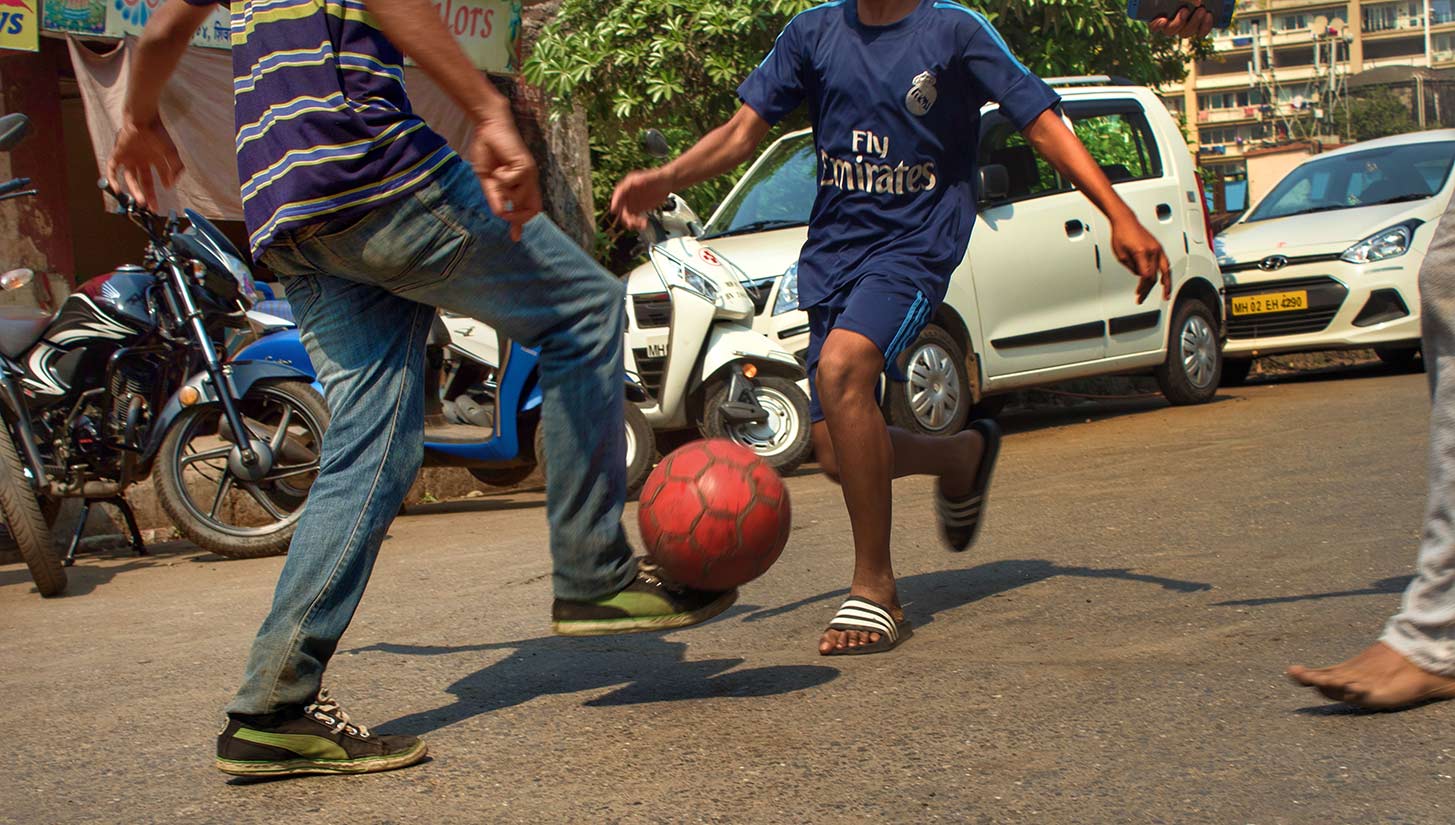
[
  {"x": 13, "y": 129},
  {"x": 16, "y": 278},
  {"x": 655, "y": 144}
]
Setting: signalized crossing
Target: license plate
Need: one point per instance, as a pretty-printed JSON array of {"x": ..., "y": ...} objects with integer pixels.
[
  {"x": 656, "y": 350},
  {"x": 1270, "y": 302}
]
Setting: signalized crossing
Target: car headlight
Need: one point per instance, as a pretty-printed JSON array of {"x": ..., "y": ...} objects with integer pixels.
[
  {"x": 787, "y": 291},
  {"x": 1390, "y": 243}
]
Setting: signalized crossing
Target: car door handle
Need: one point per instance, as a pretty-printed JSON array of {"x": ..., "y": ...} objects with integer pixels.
[
  {"x": 1075, "y": 229},
  {"x": 1164, "y": 212}
]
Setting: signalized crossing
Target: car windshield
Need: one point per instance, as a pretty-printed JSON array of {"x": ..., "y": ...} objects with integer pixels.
[
  {"x": 777, "y": 195},
  {"x": 1391, "y": 174}
]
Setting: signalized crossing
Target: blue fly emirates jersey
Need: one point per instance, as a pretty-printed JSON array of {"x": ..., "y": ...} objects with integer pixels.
[{"x": 896, "y": 114}]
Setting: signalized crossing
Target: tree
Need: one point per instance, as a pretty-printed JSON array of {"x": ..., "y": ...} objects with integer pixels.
[
  {"x": 1379, "y": 115},
  {"x": 675, "y": 65}
]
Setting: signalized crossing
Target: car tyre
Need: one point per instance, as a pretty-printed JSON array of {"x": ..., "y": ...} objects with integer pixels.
[
  {"x": 1404, "y": 358},
  {"x": 1194, "y": 362},
  {"x": 936, "y": 400},
  {"x": 1235, "y": 372}
]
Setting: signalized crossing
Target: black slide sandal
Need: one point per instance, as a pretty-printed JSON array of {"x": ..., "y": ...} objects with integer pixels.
[
  {"x": 859, "y": 613},
  {"x": 960, "y": 519}
]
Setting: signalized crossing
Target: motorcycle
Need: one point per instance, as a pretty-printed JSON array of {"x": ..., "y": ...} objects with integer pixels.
[
  {"x": 482, "y": 412},
  {"x": 125, "y": 378},
  {"x": 691, "y": 343}
]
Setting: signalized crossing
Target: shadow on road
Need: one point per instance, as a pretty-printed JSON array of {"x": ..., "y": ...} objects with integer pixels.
[
  {"x": 1383, "y": 587},
  {"x": 927, "y": 594},
  {"x": 648, "y": 668},
  {"x": 1336, "y": 372},
  {"x": 488, "y": 503},
  {"x": 97, "y": 565}
]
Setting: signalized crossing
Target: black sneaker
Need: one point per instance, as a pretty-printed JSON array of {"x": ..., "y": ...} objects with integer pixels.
[
  {"x": 320, "y": 740},
  {"x": 652, "y": 602}
]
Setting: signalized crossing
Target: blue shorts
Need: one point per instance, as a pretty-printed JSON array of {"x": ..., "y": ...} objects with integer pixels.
[{"x": 889, "y": 311}]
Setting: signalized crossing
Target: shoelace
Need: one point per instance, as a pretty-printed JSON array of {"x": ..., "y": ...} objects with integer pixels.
[
  {"x": 328, "y": 711},
  {"x": 651, "y": 573}
]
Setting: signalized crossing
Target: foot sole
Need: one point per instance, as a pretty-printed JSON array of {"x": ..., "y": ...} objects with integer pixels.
[
  {"x": 302, "y": 767},
  {"x": 644, "y": 624}
]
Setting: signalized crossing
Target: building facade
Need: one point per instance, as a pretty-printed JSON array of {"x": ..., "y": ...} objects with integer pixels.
[{"x": 1287, "y": 70}]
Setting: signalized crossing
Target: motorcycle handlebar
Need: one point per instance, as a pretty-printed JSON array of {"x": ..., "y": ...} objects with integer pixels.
[{"x": 127, "y": 202}]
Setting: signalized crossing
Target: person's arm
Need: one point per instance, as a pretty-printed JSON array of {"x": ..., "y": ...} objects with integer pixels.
[
  {"x": 1132, "y": 244},
  {"x": 719, "y": 151},
  {"x": 506, "y": 169},
  {"x": 143, "y": 146}
]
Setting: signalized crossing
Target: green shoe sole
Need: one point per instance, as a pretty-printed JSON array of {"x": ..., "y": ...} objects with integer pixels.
[
  {"x": 300, "y": 767},
  {"x": 644, "y": 624}
]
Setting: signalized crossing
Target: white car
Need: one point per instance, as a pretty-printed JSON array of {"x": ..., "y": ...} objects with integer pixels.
[
  {"x": 1330, "y": 258},
  {"x": 1039, "y": 297}
]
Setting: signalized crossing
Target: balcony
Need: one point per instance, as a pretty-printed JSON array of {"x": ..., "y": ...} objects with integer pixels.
[
  {"x": 1238, "y": 114},
  {"x": 1404, "y": 25}
]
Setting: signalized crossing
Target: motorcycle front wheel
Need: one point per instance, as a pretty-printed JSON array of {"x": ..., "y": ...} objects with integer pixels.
[{"x": 215, "y": 509}]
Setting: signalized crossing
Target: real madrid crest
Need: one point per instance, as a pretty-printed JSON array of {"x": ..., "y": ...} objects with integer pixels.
[{"x": 922, "y": 94}]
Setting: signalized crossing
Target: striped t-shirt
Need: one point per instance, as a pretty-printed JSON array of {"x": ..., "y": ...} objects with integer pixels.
[{"x": 324, "y": 127}]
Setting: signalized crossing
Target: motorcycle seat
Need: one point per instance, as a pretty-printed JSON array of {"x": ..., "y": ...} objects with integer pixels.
[{"x": 21, "y": 327}]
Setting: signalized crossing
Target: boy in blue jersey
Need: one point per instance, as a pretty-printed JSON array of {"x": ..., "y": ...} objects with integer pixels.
[{"x": 894, "y": 90}]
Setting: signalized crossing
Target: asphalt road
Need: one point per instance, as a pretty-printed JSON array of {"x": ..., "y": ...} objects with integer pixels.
[{"x": 1111, "y": 652}]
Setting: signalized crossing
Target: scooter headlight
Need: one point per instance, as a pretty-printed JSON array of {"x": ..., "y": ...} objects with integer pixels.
[
  {"x": 787, "y": 291},
  {"x": 700, "y": 283},
  {"x": 1391, "y": 243}
]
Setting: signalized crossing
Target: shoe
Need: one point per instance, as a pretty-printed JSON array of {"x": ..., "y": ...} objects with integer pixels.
[
  {"x": 322, "y": 739},
  {"x": 651, "y": 602}
]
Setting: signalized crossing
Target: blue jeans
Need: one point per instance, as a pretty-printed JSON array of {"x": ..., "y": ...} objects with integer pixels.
[{"x": 364, "y": 290}]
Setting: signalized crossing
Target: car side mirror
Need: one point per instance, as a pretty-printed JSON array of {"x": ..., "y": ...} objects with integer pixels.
[
  {"x": 994, "y": 182},
  {"x": 655, "y": 144},
  {"x": 13, "y": 129}
]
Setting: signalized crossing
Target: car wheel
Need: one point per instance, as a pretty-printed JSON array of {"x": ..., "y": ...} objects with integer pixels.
[
  {"x": 1405, "y": 358},
  {"x": 936, "y": 399},
  {"x": 1194, "y": 361},
  {"x": 1235, "y": 371}
]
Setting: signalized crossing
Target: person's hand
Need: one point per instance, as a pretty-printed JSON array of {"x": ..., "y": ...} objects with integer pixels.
[
  {"x": 1188, "y": 22},
  {"x": 139, "y": 153},
  {"x": 638, "y": 193},
  {"x": 507, "y": 172},
  {"x": 1138, "y": 251}
]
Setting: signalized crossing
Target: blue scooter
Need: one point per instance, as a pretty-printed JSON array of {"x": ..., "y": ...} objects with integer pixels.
[{"x": 479, "y": 416}]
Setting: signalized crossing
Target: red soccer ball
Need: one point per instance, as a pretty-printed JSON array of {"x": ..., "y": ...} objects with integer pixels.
[{"x": 714, "y": 515}]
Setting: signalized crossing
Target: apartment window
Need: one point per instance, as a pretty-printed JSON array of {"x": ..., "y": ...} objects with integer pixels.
[
  {"x": 1441, "y": 11},
  {"x": 1237, "y": 99},
  {"x": 1389, "y": 17},
  {"x": 1290, "y": 22},
  {"x": 1245, "y": 26},
  {"x": 1443, "y": 45},
  {"x": 1212, "y": 136}
]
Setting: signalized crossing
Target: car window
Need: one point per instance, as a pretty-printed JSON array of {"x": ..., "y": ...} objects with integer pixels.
[
  {"x": 1117, "y": 135},
  {"x": 1030, "y": 175},
  {"x": 1389, "y": 174},
  {"x": 779, "y": 193}
]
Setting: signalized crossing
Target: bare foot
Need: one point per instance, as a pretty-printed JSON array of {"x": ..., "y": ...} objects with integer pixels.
[
  {"x": 840, "y": 639},
  {"x": 1379, "y": 678},
  {"x": 970, "y": 444}
]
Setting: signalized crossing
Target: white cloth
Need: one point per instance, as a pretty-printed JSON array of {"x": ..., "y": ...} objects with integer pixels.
[{"x": 197, "y": 112}]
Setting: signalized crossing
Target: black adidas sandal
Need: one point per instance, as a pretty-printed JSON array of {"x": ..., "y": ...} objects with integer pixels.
[
  {"x": 859, "y": 613},
  {"x": 960, "y": 519}
]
